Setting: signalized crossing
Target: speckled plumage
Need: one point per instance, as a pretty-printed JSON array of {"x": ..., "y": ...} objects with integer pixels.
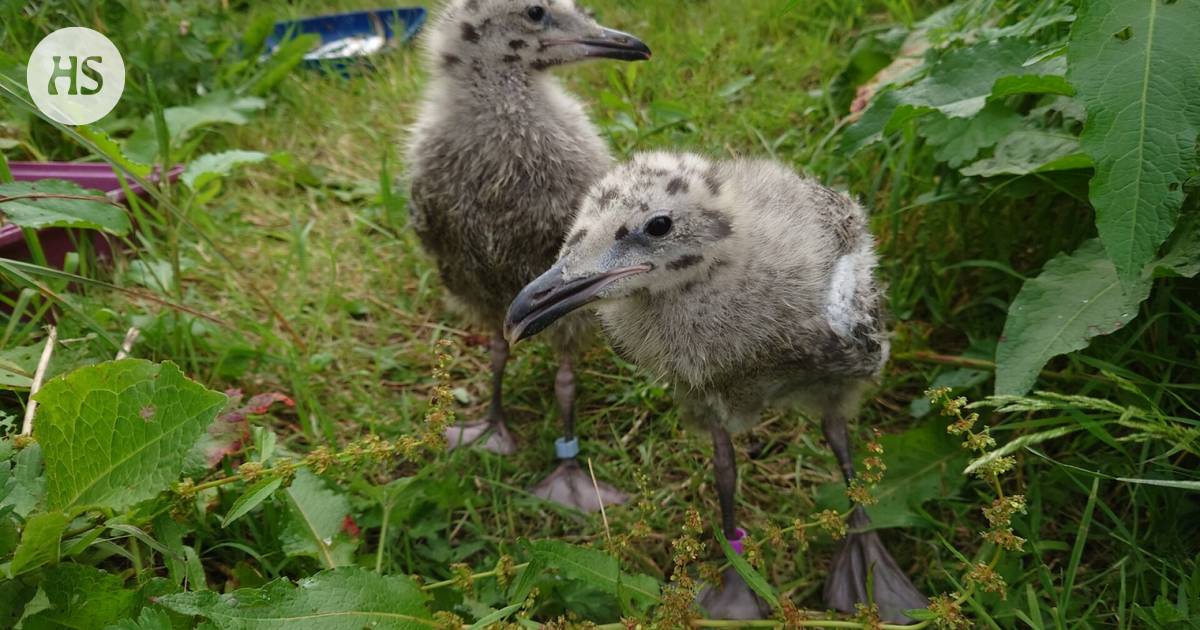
[
  {"x": 742, "y": 310},
  {"x": 746, "y": 286},
  {"x": 499, "y": 157}
]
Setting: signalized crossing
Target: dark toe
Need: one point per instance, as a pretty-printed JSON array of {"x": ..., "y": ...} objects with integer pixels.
[
  {"x": 865, "y": 554},
  {"x": 572, "y": 486}
]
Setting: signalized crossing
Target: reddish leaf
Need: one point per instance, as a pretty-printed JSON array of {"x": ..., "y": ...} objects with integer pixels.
[{"x": 229, "y": 433}]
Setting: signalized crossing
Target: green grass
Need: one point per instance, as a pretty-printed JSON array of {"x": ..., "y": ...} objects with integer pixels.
[{"x": 333, "y": 256}]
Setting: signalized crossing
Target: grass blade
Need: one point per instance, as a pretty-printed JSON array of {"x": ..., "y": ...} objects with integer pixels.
[
  {"x": 755, "y": 581},
  {"x": 1081, "y": 536},
  {"x": 253, "y": 496}
]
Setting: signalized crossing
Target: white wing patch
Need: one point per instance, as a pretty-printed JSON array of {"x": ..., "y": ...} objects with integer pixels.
[{"x": 839, "y": 307}]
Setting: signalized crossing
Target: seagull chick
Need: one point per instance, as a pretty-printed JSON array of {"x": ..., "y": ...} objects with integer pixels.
[
  {"x": 747, "y": 287},
  {"x": 499, "y": 158}
]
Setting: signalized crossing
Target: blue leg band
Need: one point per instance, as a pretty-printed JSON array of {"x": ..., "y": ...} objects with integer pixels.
[{"x": 566, "y": 449}]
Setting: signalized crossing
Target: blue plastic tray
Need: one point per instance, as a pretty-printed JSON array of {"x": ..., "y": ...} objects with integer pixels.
[{"x": 348, "y": 39}]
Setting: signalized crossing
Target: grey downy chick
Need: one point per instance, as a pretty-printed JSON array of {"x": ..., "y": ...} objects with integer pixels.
[
  {"x": 747, "y": 287},
  {"x": 499, "y": 158}
]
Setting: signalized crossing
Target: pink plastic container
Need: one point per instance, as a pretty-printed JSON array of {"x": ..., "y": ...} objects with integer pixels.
[{"x": 58, "y": 242}]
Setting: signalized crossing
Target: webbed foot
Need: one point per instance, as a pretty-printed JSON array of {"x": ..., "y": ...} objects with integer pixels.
[
  {"x": 490, "y": 436},
  {"x": 861, "y": 554},
  {"x": 734, "y": 599},
  {"x": 571, "y": 485}
]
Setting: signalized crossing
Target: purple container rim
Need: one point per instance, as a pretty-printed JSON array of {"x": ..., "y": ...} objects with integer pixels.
[{"x": 86, "y": 174}]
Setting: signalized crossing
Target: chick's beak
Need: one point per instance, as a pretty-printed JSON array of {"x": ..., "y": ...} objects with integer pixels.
[
  {"x": 550, "y": 297},
  {"x": 613, "y": 44}
]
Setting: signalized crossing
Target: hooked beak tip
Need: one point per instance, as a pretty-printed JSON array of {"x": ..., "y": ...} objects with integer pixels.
[
  {"x": 549, "y": 298},
  {"x": 614, "y": 44},
  {"x": 512, "y": 333}
]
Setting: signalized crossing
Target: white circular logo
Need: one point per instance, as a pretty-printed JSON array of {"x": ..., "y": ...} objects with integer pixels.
[{"x": 75, "y": 75}]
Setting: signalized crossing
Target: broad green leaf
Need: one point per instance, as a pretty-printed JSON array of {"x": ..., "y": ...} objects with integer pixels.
[
  {"x": 957, "y": 141},
  {"x": 1032, "y": 84},
  {"x": 1135, "y": 66},
  {"x": 525, "y": 582},
  {"x": 170, "y": 533},
  {"x": 755, "y": 581},
  {"x": 1070, "y": 109},
  {"x": 957, "y": 85},
  {"x": 598, "y": 570},
  {"x": 17, "y": 366},
  {"x": 14, "y": 595},
  {"x": 216, "y": 108},
  {"x": 1029, "y": 151},
  {"x": 9, "y": 536},
  {"x": 1077, "y": 297},
  {"x": 26, "y": 485},
  {"x": 117, "y": 433},
  {"x": 110, "y": 150},
  {"x": 923, "y": 463},
  {"x": 212, "y": 166},
  {"x": 254, "y": 495},
  {"x": 317, "y": 516},
  {"x": 39, "y": 541},
  {"x": 869, "y": 128},
  {"x": 349, "y": 598},
  {"x": 158, "y": 275},
  {"x": 1042, "y": 77},
  {"x": 91, "y": 214},
  {"x": 82, "y": 597},
  {"x": 151, "y": 618},
  {"x": 1063, "y": 13},
  {"x": 1183, "y": 257}
]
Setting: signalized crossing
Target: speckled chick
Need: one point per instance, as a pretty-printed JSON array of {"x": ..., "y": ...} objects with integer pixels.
[
  {"x": 501, "y": 154},
  {"x": 499, "y": 159},
  {"x": 747, "y": 287}
]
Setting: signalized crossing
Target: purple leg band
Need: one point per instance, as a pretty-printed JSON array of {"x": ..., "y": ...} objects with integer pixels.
[{"x": 736, "y": 543}]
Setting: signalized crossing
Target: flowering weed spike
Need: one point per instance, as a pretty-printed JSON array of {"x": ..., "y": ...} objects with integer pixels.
[
  {"x": 250, "y": 470},
  {"x": 1000, "y": 513},
  {"x": 464, "y": 579},
  {"x": 947, "y": 612},
  {"x": 445, "y": 620},
  {"x": 868, "y": 616},
  {"x": 832, "y": 522},
  {"x": 982, "y": 575},
  {"x": 1004, "y": 538},
  {"x": 505, "y": 570}
]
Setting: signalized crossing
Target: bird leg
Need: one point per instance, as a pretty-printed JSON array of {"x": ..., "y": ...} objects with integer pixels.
[
  {"x": 863, "y": 553},
  {"x": 564, "y": 394},
  {"x": 491, "y": 434},
  {"x": 569, "y": 484},
  {"x": 733, "y": 598}
]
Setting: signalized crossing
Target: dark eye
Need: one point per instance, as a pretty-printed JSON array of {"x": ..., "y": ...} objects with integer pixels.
[
  {"x": 658, "y": 226},
  {"x": 536, "y": 13}
]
